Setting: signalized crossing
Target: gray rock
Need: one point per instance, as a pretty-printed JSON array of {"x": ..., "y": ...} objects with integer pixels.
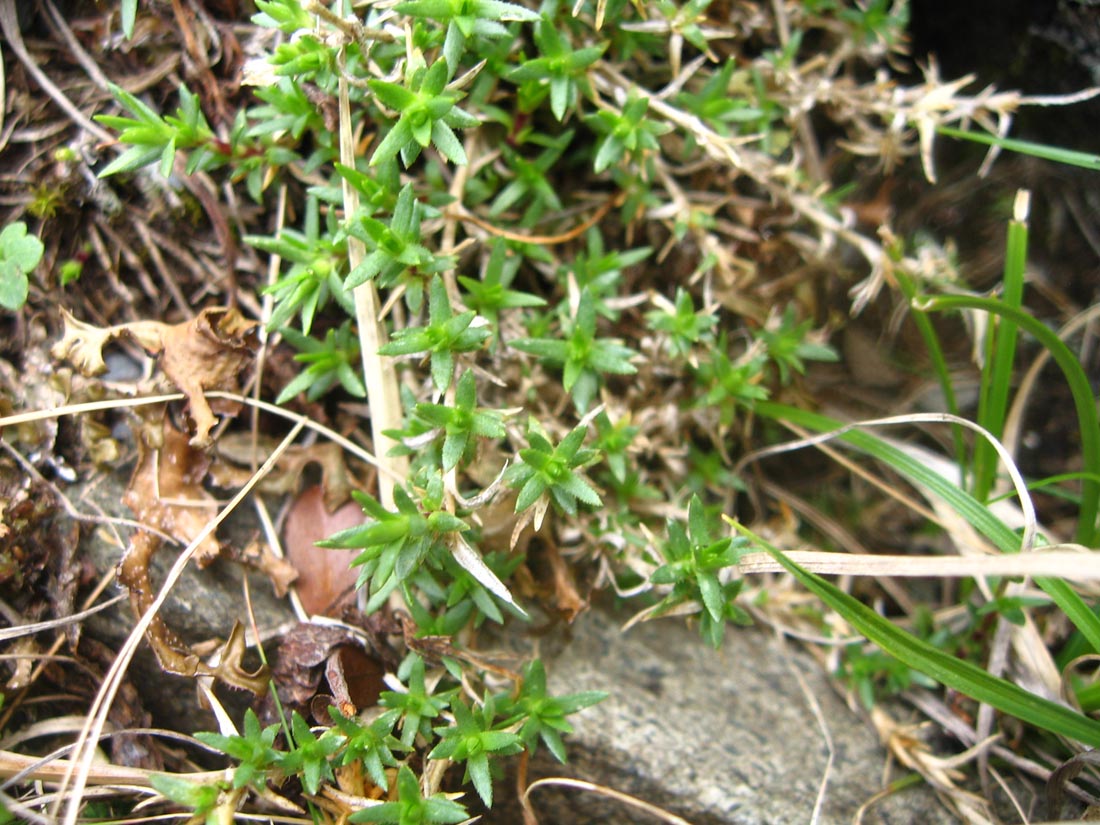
[
  {"x": 717, "y": 737},
  {"x": 203, "y": 606}
]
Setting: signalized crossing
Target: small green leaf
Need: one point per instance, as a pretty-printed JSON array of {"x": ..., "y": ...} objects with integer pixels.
[{"x": 129, "y": 15}]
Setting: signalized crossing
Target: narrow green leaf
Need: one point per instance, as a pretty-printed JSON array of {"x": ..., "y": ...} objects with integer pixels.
[
  {"x": 1080, "y": 388},
  {"x": 1086, "y": 160},
  {"x": 997, "y": 373},
  {"x": 975, "y": 513},
  {"x": 447, "y": 143},
  {"x": 949, "y": 671},
  {"x": 393, "y": 142},
  {"x": 129, "y": 15},
  {"x": 478, "y": 768}
]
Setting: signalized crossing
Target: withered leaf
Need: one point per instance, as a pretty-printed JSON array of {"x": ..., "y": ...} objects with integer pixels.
[
  {"x": 355, "y": 679},
  {"x": 166, "y": 491},
  {"x": 238, "y": 452},
  {"x": 209, "y": 352},
  {"x": 297, "y": 673},
  {"x": 165, "y": 482},
  {"x": 326, "y": 579},
  {"x": 279, "y": 572}
]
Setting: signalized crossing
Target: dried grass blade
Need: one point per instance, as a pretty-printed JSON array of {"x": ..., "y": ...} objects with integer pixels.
[{"x": 378, "y": 371}]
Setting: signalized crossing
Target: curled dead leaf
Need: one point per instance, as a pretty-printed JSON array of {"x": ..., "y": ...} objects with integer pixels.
[
  {"x": 239, "y": 452},
  {"x": 354, "y": 678},
  {"x": 166, "y": 493},
  {"x": 208, "y": 352},
  {"x": 279, "y": 572},
  {"x": 301, "y": 655}
]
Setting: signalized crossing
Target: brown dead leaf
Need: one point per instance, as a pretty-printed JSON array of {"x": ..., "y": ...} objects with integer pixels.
[
  {"x": 354, "y": 678},
  {"x": 280, "y": 572},
  {"x": 297, "y": 673},
  {"x": 209, "y": 352},
  {"x": 166, "y": 489},
  {"x": 567, "y": 598},
  {"x": 239, "y": 452},
  {"x": 166, "y": 493}
]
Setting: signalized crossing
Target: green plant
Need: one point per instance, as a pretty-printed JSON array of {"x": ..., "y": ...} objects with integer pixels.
[
  {"x": 789, "y": 345},
  {"x": 20, "y": 253},
  {"x": 543, "y": 715},
  {"x": 626, "y": 135},
  {"x": 310, "y": 756},
  {"x": 394, "y": 544},
  {"x": 581, "y": 355},
  {"x": 371, "y": 745},
  {"x": 253, "y": 750},
  {"x": 491, "y": 294},
  {"x": 967, "y": 678},
  {"x": 728, "y": 383},
  {"x": 605, "y": 171},
  {"x": 153, "y": 138},
  {"x": 693, "y": 568},
  {"x": 530, "y": 182},
  {"x": 411, "y": 807},
  {"x": 472, "y": 740},
  {"x": 200, "y": 798},
  {"x": 683, "y": 326},
  {"x": 314, "y": 276},
  {"x": 417, "y": 705},
  {"x": 612, "y": 441},
  {"x": 442, "y": 337},
  {"x": 557, "y": 71},
  {"x": 396, "y": 250},
  {"x": 328, "y": 362},
  {"x": 599, "y": 271},
  {"x": 547, "y": 473},
  {"x": 465, "y": 19},
  {"x": 714, "y": 104},
  {"x": 427, "y": 114},
  {"x": 460, "y": 423},
  {"x": 874, "y": 674}
]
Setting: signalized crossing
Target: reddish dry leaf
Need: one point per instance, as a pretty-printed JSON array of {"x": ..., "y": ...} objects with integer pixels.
[
  {"x": 209, "y": 352},
  {"x": 354, "y": 678},
  {"x": 326, "y": 579}
]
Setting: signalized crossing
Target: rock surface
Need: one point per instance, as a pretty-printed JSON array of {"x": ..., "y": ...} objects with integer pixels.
[
  {"x": 716, "y": 737},
  {"x": 203, "y": 606}
]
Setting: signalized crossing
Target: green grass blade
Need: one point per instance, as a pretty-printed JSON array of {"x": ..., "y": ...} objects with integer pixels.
[
  {"x": 943, "y": 372},
  {"x": 997, "y": 371},
  {"x": 1086, "y": 160},
  {"x": 1083, "y": 401},
  {"x": 949, "y": 671},
  {"x": 975, "y": 513},
  {"x": 129, "y": 15}
]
